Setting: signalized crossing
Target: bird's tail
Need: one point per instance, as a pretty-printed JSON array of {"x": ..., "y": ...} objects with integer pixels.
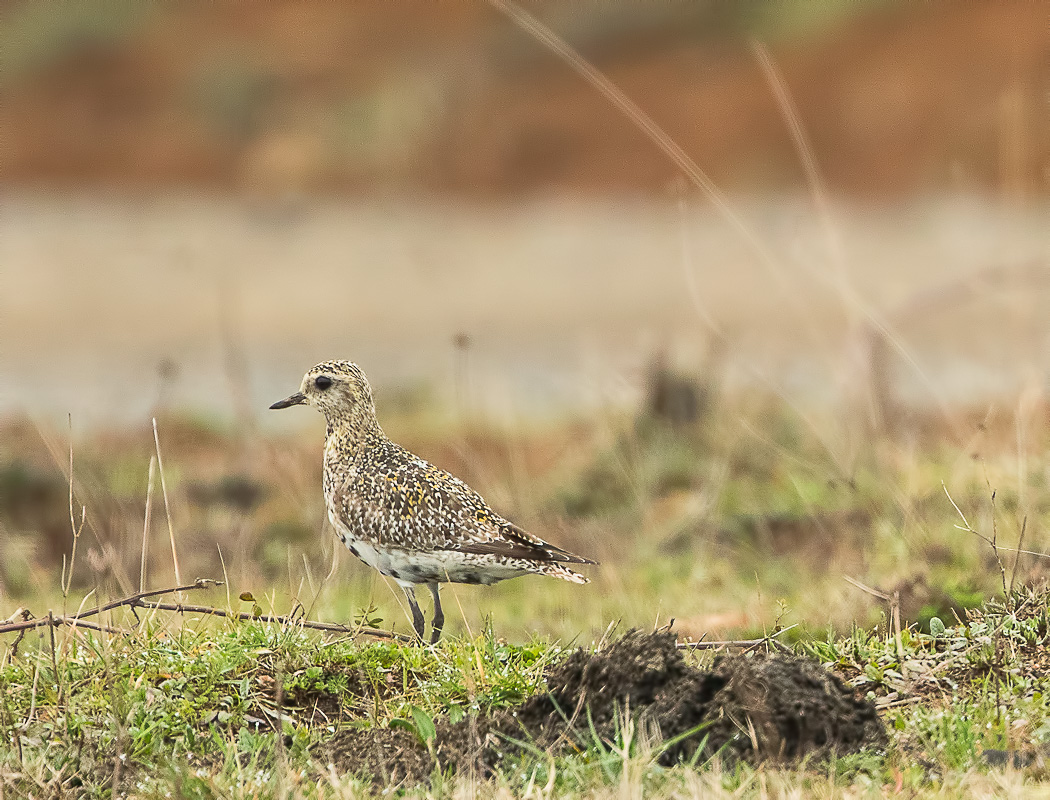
[{"x": 557, "y": 570}]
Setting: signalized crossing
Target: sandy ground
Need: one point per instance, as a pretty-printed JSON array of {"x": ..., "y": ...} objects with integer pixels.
[{"x": 109, "y": 302}]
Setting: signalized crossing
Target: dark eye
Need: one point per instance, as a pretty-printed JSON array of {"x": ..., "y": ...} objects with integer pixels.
[{"x": 322, "y": 382}]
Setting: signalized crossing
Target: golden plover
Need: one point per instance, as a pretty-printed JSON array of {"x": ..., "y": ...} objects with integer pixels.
[{"x": 402, "y": 515}]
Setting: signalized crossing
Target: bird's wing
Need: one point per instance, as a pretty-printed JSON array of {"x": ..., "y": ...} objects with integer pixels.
[
  {"x": 513, "y": 542},
  {"x": 421, "y": 506},
  {"x": 481, "y": 531}
]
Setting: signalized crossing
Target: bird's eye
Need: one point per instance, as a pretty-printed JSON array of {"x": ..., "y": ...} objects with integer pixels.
[{"x": 322, "y": 382}]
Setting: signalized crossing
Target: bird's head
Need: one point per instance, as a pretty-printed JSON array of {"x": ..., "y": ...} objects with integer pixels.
[{"x": 338, "y": 389}]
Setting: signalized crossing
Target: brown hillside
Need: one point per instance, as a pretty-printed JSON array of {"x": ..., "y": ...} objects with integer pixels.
[{"x": 451, "y": 97}]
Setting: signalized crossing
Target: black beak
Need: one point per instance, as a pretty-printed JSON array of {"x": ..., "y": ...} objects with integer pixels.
[{"x": 296, "y": 399}]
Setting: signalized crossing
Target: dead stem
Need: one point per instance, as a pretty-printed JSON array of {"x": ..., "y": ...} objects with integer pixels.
[
  {"x": 167, "y": 506},
  {"x": 138, "y": 600}
]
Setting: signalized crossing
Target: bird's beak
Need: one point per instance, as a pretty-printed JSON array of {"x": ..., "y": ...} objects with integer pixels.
[{"x": 296, "y": 399}]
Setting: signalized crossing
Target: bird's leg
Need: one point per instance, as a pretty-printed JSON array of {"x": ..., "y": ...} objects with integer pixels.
[
  {"x": 417, "y": 616},
  {"x": 438, "y": 622}
]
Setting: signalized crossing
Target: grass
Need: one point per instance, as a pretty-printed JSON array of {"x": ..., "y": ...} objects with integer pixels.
[
  {"x": 223, "y": 696},
  {"x": 190, "y": 707},
  {"x": 747, "y": 526}
]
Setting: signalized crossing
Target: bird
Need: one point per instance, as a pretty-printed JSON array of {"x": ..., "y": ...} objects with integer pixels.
[{"x": 405, "y": 517}]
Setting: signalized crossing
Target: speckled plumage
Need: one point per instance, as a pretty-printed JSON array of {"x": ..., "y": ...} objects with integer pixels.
[{"x": 402, "y": 515}]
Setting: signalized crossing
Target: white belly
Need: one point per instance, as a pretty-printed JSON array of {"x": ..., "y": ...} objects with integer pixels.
[{"x": 442, "y": 566}]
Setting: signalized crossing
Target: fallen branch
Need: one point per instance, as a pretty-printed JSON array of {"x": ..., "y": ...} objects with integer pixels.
[
  {"x": 331, "y": 627},
  {"x": 135, "y": 600},
  {"x": 139, "y": 599},
  {"x": 132, "y": 601},
  {"x": 746, "y": 644}
]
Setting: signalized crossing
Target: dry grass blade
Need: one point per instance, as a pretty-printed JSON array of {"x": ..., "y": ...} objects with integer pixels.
[
  {"x": 67, "y": 572},
  {"x": 145, "y": 524},
  {"x": 167, "y": 505},
  {"x": 805, "y": 153},
  {"x": 647, "y": 124},
  {"x": 849, "y": 296}
]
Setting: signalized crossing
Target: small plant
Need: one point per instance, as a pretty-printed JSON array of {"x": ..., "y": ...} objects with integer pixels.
[
  {"x": 368, "y": 617},
  {"x": 418, "y": 722}
]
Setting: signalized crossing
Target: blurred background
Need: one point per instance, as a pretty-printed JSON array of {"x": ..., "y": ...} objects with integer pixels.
[{"x": 713, "y": 390}]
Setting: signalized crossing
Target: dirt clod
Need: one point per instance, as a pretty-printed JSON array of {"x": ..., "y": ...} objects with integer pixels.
[{"x": 754, "y": 708}]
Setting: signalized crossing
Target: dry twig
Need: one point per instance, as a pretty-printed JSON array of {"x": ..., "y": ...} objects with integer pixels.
[
  {"x": 139, "y": 600},
  {"x": 747, "y": 644}
]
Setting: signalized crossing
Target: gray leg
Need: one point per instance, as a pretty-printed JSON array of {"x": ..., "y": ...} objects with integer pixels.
[
  {"x": 417, "y": 616},
  {"x": 438, "y": 622}
]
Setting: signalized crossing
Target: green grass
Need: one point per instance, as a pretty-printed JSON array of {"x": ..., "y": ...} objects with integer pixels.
[
  {"x": 170, "y": 696},
  {"x": 751, "y": 525},
  {"x": 198, "y": 708}
]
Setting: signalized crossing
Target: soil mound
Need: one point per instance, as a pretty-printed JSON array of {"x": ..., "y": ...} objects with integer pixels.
[{"x": 752, "y": 708}]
